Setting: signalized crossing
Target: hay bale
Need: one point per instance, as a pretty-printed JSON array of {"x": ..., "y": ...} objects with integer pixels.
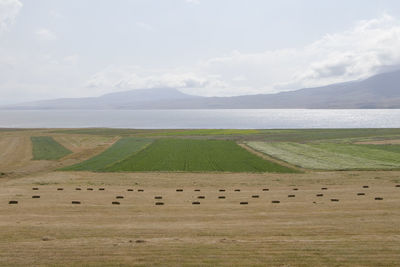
[
  {"x": 35, "y": 196},
  {"x": 320, "y": 195},
  {"x": 76, "y": 202},
  {"x": 35, "y": 188},
  {"x": 201, "y": 197},
  {"x": 197, "y": 190},
  {"x": 379, "y": 198},
  {"x": 360, "y": 194},
  {"x": 119, "y": 197},
  {"x": 324, "y": 188},
  {"x": 12, "y": 202},
  {"x": 221, "y": 197},
  {"x": 89, "y": 189},
  {"x": 115, "y": 203},
  {"x": 397, "y": 185},
  {"x": 158, "y": 197},
  {"x": 102, "y": 189},
  {"x": 255, "y": 196},
  {"x": 237, "y": 190},
  {"x": 334, "y": 200},
  {"x": 140, "y": 190},
  {"x": 159, "y": 203},
  {"x": 78, "y": 189},
  {"x": 60, "y": 189},
  {"x": 179, "y": 190},
  {"x": 195, "y": 203},
  {"x": 295, "y": 189},
  {"x": 130, "y": 190},
  {"x": 265, "y": 189},
  {"x": 275, "y": 201},
  {"x": 365, "y": 186},
  {"x": 291, "y": 195},
  {"x": 222, "y": 190},
  {"x": 244, "y": 203}
]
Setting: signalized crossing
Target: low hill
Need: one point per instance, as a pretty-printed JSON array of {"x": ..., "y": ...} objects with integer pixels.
[{"x": 379, "y": 91}]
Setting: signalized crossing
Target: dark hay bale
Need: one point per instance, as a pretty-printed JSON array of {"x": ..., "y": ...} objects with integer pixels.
[
  {"x": 244, "y": 203},
  {"x": 89, "y": 189},
  {"x": 360, "y": 194},
  {"x": 265, "y": 189},
  {"x": 60, "y": 189},
  {"x": 159, "y": 203},
  {"x": 324, "y": 188},
  {"x": 197, "y": 190},
  {"x": 140, "y": 241},
  {"x": 255, "y": 196},
  {"x": 379, "y": 198},
  {"x": 222, "y": 190},
  {"x": 196, "y": 203},
  {"x": 47, "y": 238},
  {"x": 35, "y": 196},
  {"x": 35, "y": 188},
  {"x": 130, "y": 190},
  {"x": 365, "y": 186},
  {"x": 76, "y": 202},
  {"x": 179, "y": 190},
  {"x": 397, "y": 185},
  {"x": 295, "y": 189},
  {"x": 237, "y": 190},
  {"x": 78, "y": 189},
  {"x": 291, "y": 195},
  {"x": 102, "y": 189},
  {"x": 140, "y": 190},
  {"x": 119, "y": 197},
  {"x": 12, "y": 202},
  {"x": 275, "y": 201},
  {"x": 158, "y": 197},
  {"x": 221, "y": 197},
  {"x": 334, "y": 200},
  {"x": 201, "y": 197},
  {"x": 115, "y": 203},
  {"x": 320, "y": 195}
]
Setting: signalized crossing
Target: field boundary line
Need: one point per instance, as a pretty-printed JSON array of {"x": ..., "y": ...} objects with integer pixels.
[{"x": 272, "y": 159}]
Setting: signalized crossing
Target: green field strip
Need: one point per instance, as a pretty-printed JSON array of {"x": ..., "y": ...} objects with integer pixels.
[
  {"x": 196, "y": 156},
  {"x": 122, "y": 149},
  {"x": 209, "y": 132},
  {"x": 46, "y": 148},
  {"x": 330, "y": 156}
]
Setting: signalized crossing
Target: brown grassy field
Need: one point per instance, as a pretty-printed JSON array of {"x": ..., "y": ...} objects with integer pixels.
[{"x": 304, "y": 230}]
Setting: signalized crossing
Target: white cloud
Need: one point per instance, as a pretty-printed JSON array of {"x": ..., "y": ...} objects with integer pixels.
[
  {"x": 9, "y": 10},
  {"x": 45, "y": 34},
  {"x": 134, "y": 77},
  {"x": 144, "y": 26},
  {"x": 193, "y": 1},
  {"x": 350, "y": 55}
]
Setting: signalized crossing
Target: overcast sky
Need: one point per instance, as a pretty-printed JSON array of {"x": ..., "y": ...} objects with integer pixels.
[{"x": 74, "y": 48}]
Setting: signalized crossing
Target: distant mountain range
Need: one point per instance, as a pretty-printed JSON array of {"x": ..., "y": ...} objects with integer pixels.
[{"x": 379, "y": 91}]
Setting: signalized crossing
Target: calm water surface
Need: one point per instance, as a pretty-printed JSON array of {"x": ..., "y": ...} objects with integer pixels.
[{"x": 217, "y": 119}]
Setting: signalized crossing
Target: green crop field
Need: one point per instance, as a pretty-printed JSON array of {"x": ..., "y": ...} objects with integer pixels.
[
  {"x": 122, "y": 149},
  {"x": 287, "y": 135},
  {"x": 46, "y": 148},
  {"x": 195, "y": 155},
  {"x": 333, "y": 156}
]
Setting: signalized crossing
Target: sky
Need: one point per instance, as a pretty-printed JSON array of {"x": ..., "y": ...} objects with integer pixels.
[{"x": 79, "y": 48}]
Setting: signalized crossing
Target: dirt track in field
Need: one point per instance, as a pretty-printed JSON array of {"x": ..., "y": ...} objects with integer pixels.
[{"x": 380, "y": 142}]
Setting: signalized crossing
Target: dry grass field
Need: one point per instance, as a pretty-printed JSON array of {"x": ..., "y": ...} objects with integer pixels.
[{"x": 304, "y": 230}]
